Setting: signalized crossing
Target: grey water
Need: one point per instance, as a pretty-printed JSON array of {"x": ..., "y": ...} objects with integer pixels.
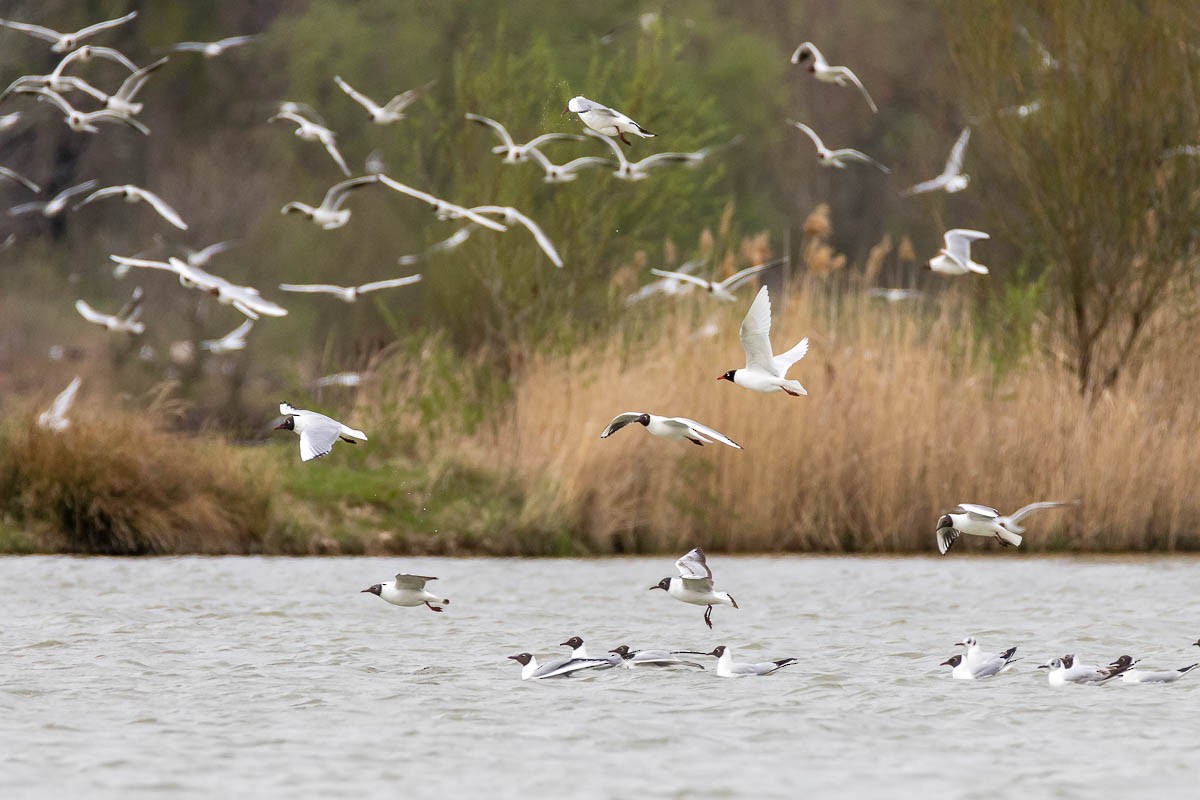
[{"x": 271, "y": 677}]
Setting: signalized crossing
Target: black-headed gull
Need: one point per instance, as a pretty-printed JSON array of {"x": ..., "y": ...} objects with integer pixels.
[
  {"x": 765, "y": 372},
  {"x": 389, "y": 112},
  {"x": 230, "y": 342},
  {"x": 565, "y": 173},
  {"x": 136, "y": 194},
  {"x": 511, "y": 216},
  {"x": 1067, "y": 670},
  {"x": 245, "y": 299},
  {"x": 636, "y": 170},
  {"x": 56, "y": 82},
  {"x": 633, "y": 659},
  {"x": 727, "y": 668},
  {"x": 677, "y": 428},
  {"x": 311, "y": 131},
  {"x": 807, "y": 53},
  {"x": 16, "y": 177},
  {"x": 836, "y": 158},
  {"x": 409, "y": 591},
  {"x": 517, "y": 153},
  {"x": 975, "y": 654},
  {"x": 670, "y": 285},
  {"x": 122, "y": 101},
  {"x": 66, "y": 42},
  {"x": 952, "y": 178},
  {"x": 558, "y": 668},
  {"x": 1134, "y": 675},
  {"x": 955, "y": 257},
  {"x": 55, "y": 417},
  {"x": 695, "y": 584},
  {"x": 82, "y": 122},
  {"x": 213, "y": 49},
  {"x": 605, "y": 120},
  {"x": 986, "y": 667},
  {"x": 720, "y": 290},
  {"x": 124, "y": 321},
  {"x": 55, "y": 205},
  {"x": 973, "y": 519},
  {"x": 349, "y": 294},
  {"x": 330, "y": 214},
  {"x": 443, "y": 208},
  {"x": 317, "y": 432}
]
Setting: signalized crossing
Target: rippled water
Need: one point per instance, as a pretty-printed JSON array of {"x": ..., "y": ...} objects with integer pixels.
[{"x": 189, "y": 676}]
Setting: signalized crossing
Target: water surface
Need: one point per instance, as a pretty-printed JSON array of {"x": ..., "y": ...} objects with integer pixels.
[{"x": 185, "y": 677}]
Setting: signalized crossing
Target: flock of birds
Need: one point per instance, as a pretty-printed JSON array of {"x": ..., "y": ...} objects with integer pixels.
[{"x": 764, "y": 371}]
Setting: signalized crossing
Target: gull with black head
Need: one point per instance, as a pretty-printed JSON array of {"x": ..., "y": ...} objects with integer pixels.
[
  {"x": 408, "y": 591},
  {"x": 695, "y": 584}
]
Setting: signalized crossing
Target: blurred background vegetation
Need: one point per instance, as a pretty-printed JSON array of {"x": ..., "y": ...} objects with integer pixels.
[{"x": 1075, "y": 108}]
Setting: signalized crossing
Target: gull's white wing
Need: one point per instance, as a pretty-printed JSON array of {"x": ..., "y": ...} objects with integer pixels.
[
  {"x": 332, "y": 149},
  {"x": 550, "y": 137},
  {"x": 99, "y": 26},
  {"x": 693, "y": 565},
  {"x": 682, "y": 276},
  {"x": 189, "y": 47},
  {"x": 704, "y": 430},
  {"x": 244, "y": 297},
  {"x": 667, "y": 158},
  {"x": 1024, "y": 511},
  {"x": 357, "y": 96},
  {"x": 62, "y": 403},
  {"x": 954, "y": 164},
  {"x": 496, "y": 127},
  {"x": 812, "y": 51},
  {"x": 700, "y": 585},
  {"x": 390, "y": 283},
  {"x": 320, "y": 433},
  {"x": 608, "y": 141},
  {"x": 133, "y": 306},
  {"x": 204, "y": 255},
  {"x": 45, "y": 34},
  {"x": 406, "y": 99},
  {"x": 145, "y": 263},
  {"x": 738, "y": 278},
  {"x": 539, "y": 235},
  {"x": 620, "y": 421},
  {"x": 578, "y": 163},
  {"x": 784, "y": 361},
  {"x": 51, "y": 95},
  {"x": 79, "y": 188},
  {"x": 931, "y": 185},
  {"x": 755, "y": 334},
  {"x": 312, "y": 288},
  {"x": 978, "y": 512},
  {"x": 439, "y": 204},
  {"x": 859, "y": 156},
  {"x": 235, "y": 336},
  {"x": 847, "y": 73},
  {"x": 164, "y": 210},
  {"x": 958, "y": 243},
  {"x": 809, "y": 132},
  {"x": 406, "y": 581},
  {"x": 136, "y": 80},
  {"x": 336, "y": 194},
  {"x": 946, "y": 537},
  {"x": 26, "y": 208},
  {"x": 92, "y": 315},
  {"x": 100, "y": 194},
  {"x": 13, "y": 175}
]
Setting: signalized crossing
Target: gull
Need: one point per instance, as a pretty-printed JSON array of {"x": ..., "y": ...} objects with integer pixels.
[
  {"x": 339, "y": 379},
  {"x": 579, "y": 652},
  {"x": 374, "y": 163},
  {"x": 122, "y": 100},
  {"x": 66, "y": 42},
  {"x": 976, "y": 520},
  {"x": 720, "y": 290},
  {"x": 443, "y": 208},
  {"x": 512, "y": 216},
  {"x": 671, "y": 285},
  {"x": 765, "y": 372},
  {"x": 1065, "y": 670},
  {"x": 836, "y": 158},
  {"x": 245, "y": 299},
  {"x": 987, "y": 667},
  {"x": 565, "y": 173},
  {"x": 125, "y": 320},
  {"x": 636, "y": 170},
  {"x": 894, "y": 295},
  {"x": 136, "y": 194},
  {"x": 955, "y": 257},
  {"x": 392, "y": 111},
  {"x": 822, "y": 71},
  {"x": 213, "y": 49},
  {"x": 677, "y": 428},
  {"x": 17, "y": 177},
  {"x": 317, "y": 432},
  {"x": 1023, "y": 110},
  {"x": 1181, "y": 150},
  {"x": 201, "y": 258},
  {"x": 56, "y": 81},
  {"x": 1131, "y": 675},
  {"x": 407, "y": 590},
  {"x": 88, "y": 52},
  {"x": 952, "y": 178},
  {"x": 349, "y": 294},
  {"x": 56, "y": 205},
  {"x": 55, "y": 417},
  {"x": 726, "y": 668},
  {"x": 8, "y": 242},
  {"x": 517, "y": 153},
  {"x": 451, "y": 242},
  {"x": 976, "y": 656},
  {"x": 8, "y": 121},
  {"x": 605, "y": 120},
  {"x": 330, "y": 214},
  {"x": 234, "y": 340},
  {"x": 632, "y": 659},
  {"x": 310, "y": 131},
  {"x": 559, "y": 668},
  {"x": 82, "y": 122},
  {"x": 695, "y": 584}
]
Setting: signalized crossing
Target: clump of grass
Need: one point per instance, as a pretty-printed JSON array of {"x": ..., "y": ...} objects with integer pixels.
[{"x": 117, "y": 483}]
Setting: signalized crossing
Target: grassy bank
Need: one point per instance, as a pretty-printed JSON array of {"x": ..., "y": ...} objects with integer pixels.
[{"x": 907, "y": 415}]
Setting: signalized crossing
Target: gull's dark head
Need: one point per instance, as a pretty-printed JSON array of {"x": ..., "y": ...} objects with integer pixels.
[
  {"x": 376, "y": 589},
  {"x": 288, "y": 424},
  {"x": 952, "y": 661},
  {"x": 1123, "y": 663},
  {"x": 664, "y": 584},
  {"x": 804, "y": 55},
  {"x": 644, "y": 419},
  {"x": 522, "y": 658},
  {"x": 622, "y": 650},
  {"x": 573, "y": 643},
  {"x": 945, "y": 522},
  {"x": 728, "y": 376},
  {"x": 1068, "y": 661},
  {"x": 718, "y": 651}
]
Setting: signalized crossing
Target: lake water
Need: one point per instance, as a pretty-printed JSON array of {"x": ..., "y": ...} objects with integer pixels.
[{"x": 266, "y": 677}]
